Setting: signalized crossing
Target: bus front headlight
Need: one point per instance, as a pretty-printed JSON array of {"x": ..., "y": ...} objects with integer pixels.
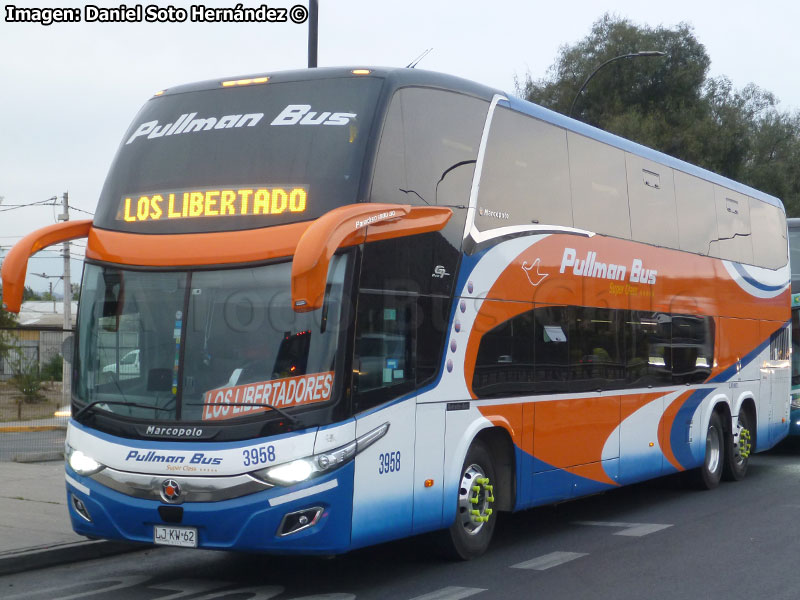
[
  {"x": 82, "y": 463},
  {"x": 312, "y": 466}
]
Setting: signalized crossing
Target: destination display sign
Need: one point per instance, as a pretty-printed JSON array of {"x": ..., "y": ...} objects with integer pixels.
[
  {"x": 238, "y": 401},
  {"x": 210, "y": 203}
]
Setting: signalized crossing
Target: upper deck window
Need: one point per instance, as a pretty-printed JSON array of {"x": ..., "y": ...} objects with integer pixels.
[{"x": 240, "y": 158}]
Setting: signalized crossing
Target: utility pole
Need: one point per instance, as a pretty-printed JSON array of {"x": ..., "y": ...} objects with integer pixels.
[
  {"x": 66, "y": 369},
  {"x": 313, "y": 29}
]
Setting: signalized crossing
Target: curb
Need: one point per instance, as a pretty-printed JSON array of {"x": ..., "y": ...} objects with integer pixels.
[
  {"x": 26, "y": 428},
  {"x": 36, "y": 457},
  {"x": 40, "y": 557}
]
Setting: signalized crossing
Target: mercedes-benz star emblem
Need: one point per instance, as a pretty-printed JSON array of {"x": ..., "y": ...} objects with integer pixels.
[{"x": 170, "y": 490}]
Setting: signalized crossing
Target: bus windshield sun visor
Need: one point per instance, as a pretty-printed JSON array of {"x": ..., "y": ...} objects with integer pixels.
[
  {"x": 15, "y": 264},
  {"x": 349, "y": 226}
]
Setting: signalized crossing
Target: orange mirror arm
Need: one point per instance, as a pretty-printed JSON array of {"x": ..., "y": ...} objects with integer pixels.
[
  {"x": 351, "y": 225},
  {"x": 15, "y": 265}
]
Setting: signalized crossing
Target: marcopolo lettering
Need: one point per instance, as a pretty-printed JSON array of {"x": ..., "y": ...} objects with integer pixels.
[{"x": 185, "y": 432}]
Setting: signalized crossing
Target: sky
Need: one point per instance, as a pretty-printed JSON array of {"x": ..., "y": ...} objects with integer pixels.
[{"x": 69, "y": 91}]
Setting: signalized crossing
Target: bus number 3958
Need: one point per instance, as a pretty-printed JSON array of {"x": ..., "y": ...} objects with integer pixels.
[
  {"x": 389, "y": 462},
  {"x": 258, "y": 456}
]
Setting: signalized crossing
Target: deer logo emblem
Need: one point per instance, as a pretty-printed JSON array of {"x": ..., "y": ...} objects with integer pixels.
[{"x": 532, "y": 271}]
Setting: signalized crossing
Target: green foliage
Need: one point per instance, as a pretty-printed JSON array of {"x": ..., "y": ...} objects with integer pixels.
[
  {"x": 26, "y": 378},
  {"x": 29, "y": 294},
  {"x": 669, "y": 103},
  {"x": 53, "y": 368}
]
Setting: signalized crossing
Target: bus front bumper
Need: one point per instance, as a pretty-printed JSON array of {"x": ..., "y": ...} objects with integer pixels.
[{"x": 269, "y": 521}]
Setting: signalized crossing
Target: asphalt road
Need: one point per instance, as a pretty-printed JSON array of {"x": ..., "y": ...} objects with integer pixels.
[{"x": 650, "y": 541}]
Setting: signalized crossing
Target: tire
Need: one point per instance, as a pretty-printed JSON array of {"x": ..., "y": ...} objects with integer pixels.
[
  {"x": 737, "y": 455},
  {"x": 469, "y": 535},
  {"x": 707, "y": 476}
]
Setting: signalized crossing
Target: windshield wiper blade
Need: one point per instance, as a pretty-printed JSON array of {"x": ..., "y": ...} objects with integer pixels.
[
  {"x": 116, "y": 402},
  {"x": 293, "y": 420}
]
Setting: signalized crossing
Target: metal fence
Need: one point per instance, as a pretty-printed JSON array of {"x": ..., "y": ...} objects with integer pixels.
[{"x": 34, "y": 394}]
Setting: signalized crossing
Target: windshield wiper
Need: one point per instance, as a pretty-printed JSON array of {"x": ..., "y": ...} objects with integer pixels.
[
  {"x": 293, "y": 420},
  {"x": 116, "y": 402}
]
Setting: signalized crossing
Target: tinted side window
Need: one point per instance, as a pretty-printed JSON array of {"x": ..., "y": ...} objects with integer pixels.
[
  {"x": 430, "y": 138},
  {"x": 427, "y": 153},
  {"x": 697, "y": 214},
  {"x": 433, "y": 313},
  {"x": 505, "y": 359},
  {"x": 599, "y": 186},
  {"x": 596, "y": 349},
  {"x": 768, "y": 225},
  {"x": 525, "y": 173},
  {"x": 580, "y": 349},
  {"x": 692, "y": 348},
  {"x": 647, "y": 349},
  {"x": 552, "y": 341},
  {"x": 383, "y": 366},
  {"x": 733, "y": 223},
  {"x": 654, "y": 216}
]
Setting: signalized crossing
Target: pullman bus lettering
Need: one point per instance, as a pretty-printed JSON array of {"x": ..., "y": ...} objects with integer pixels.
[
  {"x": 589, "y": 266},
  {"x": 187, "y": 123},
  {"x": 151, "y": 456}
]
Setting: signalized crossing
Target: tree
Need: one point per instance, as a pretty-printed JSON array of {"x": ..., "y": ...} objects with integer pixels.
[
  {"x": 669, "y": 103},
  {"x": 29, "y": 294}
]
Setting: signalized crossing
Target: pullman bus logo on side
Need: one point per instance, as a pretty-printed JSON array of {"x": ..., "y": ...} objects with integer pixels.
[{"x": 589, "y": 266}]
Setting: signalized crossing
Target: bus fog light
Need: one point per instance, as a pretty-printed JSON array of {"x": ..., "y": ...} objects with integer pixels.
[
  {"x": 297, "y": 521},
  {"x": 80, "y": 508}
]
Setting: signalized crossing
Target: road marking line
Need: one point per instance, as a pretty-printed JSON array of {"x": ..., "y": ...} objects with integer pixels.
[
  {"x": 450, "y": 593},
  {"x": 629, "y": 529},
  {"x": 548, "y": 561}
]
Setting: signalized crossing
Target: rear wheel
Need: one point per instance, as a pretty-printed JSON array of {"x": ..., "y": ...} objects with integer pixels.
[
  {"x": 707, "y": 476},
  {"x": 737, "y": 456},
  {"x": 469, "y": 535}
]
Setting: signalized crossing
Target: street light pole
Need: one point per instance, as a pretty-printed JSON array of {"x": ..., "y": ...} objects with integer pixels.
[
  {"x": 313, "y": 29},
  {"x": 610, "y": 60}
]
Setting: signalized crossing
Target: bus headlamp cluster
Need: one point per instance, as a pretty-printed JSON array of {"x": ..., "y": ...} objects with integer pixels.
[
  {"x": 82, "y": 463},
  {"x": 306, "y": 468}
]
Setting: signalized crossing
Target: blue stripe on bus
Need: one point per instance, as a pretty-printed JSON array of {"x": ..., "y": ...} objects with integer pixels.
[
  {"x": 679, "y": 435},
  {"x": 757, "y": 284}
]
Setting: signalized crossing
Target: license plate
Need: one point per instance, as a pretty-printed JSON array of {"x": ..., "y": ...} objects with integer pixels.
[{"x": 175, "y": 536}]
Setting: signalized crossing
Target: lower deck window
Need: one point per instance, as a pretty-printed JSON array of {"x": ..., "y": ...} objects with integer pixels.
[{"x": 579, "y": 349}]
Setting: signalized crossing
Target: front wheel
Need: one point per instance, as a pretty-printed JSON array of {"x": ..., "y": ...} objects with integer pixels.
[
  {"x": 708, "y": 475},
  {"x": 469, "y": 535},
  {"x": 737, "y": 456}
]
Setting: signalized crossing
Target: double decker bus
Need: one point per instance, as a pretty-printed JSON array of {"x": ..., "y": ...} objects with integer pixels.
[{"x": 325, "y": 309}]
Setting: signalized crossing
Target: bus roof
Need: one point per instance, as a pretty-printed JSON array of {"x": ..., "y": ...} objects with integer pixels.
[{"x": 402, "y": 77}]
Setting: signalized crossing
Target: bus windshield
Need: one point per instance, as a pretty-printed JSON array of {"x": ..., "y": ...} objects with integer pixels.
[
  {"x": 224, "y": 159},
  {"x": 204, "y": 346}
]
